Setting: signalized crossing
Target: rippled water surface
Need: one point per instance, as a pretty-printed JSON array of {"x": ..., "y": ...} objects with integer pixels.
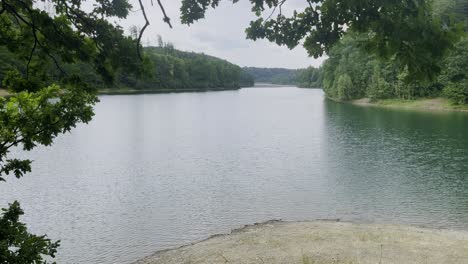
[{"x": 155, "y": 171}]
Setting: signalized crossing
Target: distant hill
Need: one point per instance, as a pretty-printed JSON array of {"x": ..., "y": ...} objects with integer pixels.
[
  {"x": 168, "y": 69},
  {"x": 273, "y": 75},
  {"x": 308, "y": 78},
  {"x": 175, "y": 69}
]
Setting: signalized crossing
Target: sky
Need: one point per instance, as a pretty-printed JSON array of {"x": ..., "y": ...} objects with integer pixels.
[{"x": 220, "y": 34}]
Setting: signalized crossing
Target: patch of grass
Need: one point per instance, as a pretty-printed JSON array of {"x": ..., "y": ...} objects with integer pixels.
[
  {"x": 425, "y": 104},
  {"x": 315, "y": 237},
  {"x": 398, "y": 102},
  {"x": 249, "y": 240},
  {"x": 368, "y": 237},
  {"x": 306, "y": 259},
  {"x": 458, "y": 107},
  {"x": 3, "y": 93}
]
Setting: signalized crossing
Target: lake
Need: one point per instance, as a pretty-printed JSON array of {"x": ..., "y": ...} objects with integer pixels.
[{"x": 156, "y": 171}]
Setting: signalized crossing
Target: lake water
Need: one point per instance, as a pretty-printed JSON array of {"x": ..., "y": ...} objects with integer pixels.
[{"x": 155, "y": 171}]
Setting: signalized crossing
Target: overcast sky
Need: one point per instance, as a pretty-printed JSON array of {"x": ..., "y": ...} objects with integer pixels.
[{"x": 220, "y": 34}]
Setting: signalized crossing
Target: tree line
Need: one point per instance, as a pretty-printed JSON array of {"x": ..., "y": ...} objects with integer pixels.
[
  {"x": 351, "y": 72},
  {"x": 166, "y": 69},
  {"x": 172, "y": 69},
  {"x": 310, "y": 77}
]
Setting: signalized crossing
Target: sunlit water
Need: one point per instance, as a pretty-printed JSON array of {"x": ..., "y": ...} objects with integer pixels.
[{"x": 155, "y": 171}]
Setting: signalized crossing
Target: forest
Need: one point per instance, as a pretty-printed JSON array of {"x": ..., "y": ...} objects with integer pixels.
[
  {"x": 310, "y": 77},
  {"x": 172, "y": 69},
  {"x": 167, "y": 69},
  {"x": 351, "y": 72},
  {"x": 272, "y": 75}
]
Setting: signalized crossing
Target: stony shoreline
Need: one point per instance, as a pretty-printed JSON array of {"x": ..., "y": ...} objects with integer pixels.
[{"x": 322, "y": 241}]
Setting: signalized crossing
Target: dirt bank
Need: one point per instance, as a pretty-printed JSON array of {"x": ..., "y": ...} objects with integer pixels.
[{"x": 322, "y": 242}]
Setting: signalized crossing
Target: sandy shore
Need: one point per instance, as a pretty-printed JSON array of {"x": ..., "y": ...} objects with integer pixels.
[{"x": 322, "y": 242}]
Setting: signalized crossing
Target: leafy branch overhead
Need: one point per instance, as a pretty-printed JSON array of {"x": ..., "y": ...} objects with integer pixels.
[
  {"x": 405, "y": 30},
  {"x": 30, "y": 119},
  {"x": 69, "y": 35}
]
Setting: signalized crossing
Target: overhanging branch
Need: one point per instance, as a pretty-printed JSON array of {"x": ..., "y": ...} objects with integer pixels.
[
  {"x": 166, "y": 19},
  {"x": 142, "y": 29}
]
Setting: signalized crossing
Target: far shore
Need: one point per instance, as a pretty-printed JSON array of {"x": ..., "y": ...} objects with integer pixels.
[
  {"x": 157, "y": 91},
  {"x": 421, "y": 104},
  {"x": 322, "y": 241},
  {"x": 438, "y": 104},
  {"x": 122, "y": 91}
]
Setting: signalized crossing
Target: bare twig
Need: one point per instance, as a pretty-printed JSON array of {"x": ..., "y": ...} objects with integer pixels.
[
  {"x": 166, "y": 18},
  {"x": 30, "y": 58},
  {"x": 280, "y": 5},
  {"x": 142, "y": 7},
  {"x": 271, "y": 14}
]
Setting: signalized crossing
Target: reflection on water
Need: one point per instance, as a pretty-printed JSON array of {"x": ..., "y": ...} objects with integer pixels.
[{"x": 156, "y": 171}]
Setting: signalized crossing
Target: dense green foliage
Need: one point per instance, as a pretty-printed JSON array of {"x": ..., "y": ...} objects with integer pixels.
[
  {"x": 352, "y": 73},
  {"x": 454, "y": 77},
  {"x": 38, "y": 38},
  {"x": 308, "y": 78},
  {"x": 405, "y": 30}
]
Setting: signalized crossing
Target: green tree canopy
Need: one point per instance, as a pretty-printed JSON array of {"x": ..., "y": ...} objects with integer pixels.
[{"x": 68, "y": 35}]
